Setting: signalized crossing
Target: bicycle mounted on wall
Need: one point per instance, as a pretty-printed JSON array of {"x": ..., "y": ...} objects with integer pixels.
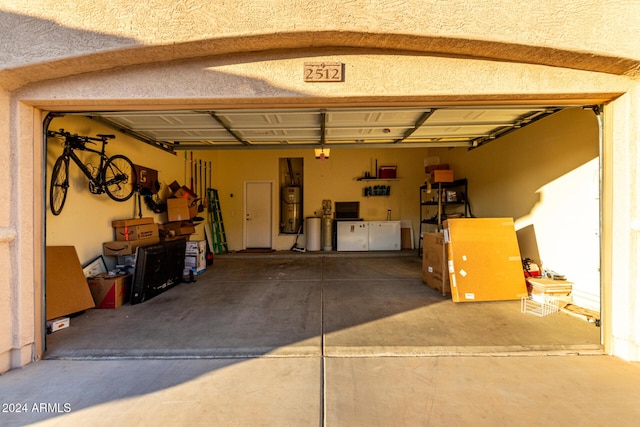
[{"x": 115, "y": 175}]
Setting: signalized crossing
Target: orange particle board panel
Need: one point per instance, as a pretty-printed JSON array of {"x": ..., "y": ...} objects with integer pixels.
[
  {"x": 67, "y": 288},
  {"x": 484, "y": 260}
]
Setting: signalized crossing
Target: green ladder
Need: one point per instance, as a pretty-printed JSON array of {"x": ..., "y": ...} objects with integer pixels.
[{"x": 218, "y": 235}]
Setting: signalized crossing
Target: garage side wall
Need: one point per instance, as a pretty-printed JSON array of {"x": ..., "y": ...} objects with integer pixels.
[{"x": 546, "y": 177}]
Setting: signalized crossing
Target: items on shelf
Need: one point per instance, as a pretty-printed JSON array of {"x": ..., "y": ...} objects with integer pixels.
[
  {"x": 377, "y": 190},
  {"x": 440, "y": 201}
]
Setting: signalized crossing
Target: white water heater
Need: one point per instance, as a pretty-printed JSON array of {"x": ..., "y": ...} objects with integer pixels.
[{"x": 291, "y": 220}]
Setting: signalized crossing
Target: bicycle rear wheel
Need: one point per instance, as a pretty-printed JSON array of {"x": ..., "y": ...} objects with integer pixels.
[
  {"x": 119, "y": 178},
  {"x": 59, "y": 185}
]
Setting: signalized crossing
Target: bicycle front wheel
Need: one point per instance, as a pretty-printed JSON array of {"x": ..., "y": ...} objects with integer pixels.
[
  {"x": 119, "y": 178},
  {"x": 59, "y": 185}
]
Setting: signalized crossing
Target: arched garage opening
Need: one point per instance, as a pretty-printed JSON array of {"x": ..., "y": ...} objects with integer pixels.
[
  {"x": 532, "y": 177},
  {"x": 231, "y": 83}
]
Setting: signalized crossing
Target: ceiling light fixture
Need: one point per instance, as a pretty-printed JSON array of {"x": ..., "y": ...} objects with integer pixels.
[{"x": 322, "y": 153}]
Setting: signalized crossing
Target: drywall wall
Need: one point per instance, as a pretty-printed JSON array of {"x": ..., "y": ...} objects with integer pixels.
[{"x": 334, "y": 179}]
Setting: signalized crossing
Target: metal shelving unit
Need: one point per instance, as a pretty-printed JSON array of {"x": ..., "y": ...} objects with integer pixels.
[{"x": 439, "y": 200}]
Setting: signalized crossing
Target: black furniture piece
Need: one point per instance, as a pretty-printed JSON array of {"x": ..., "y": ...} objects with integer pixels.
[{"x": 158, "y": 268}]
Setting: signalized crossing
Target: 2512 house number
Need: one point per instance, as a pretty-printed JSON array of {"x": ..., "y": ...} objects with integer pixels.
[{"x": 323, "y": 72}]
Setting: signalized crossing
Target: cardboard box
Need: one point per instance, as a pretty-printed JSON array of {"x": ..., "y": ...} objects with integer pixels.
[
  {"x": 129, "y": 222},
  {"x": 122, "y": 247},
  {"x": 195, "y": 247},
  {"x": 137, "y": 232},
  {"x": 180, "y": 210},
  {"x": 387, "y": 172},
  {"x": 405, "y": 238},
  {"x": 67, "y": 289},
  {"x": 442, "y": 175},
  {"x": 434, "y": 263},
  {"x": 543, "y": 286},
  {"x": 177, "y": 230},
  {"x": 182, "y": 191},
  {"x": 188, "y": 195},
  {"x": 195, "y": 257},
  {"x": 196, "y": 264},
  {"x": 484, "y": 260},
  {"x": 110, "y": 291},
  {"x": 431, "y": 168},
  {"x": 57, "y": 324}
]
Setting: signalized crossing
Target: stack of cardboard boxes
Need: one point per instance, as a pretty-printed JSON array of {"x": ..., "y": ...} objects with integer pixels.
[
  {"x": 482, "y": 261},
  {"x": 112, "y": 291},
  {"x": 182, "y": 209},
  {"x": 434, "y": 263}
]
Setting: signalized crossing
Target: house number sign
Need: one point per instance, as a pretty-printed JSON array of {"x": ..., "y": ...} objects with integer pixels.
[{"x": 323, "y": 72}]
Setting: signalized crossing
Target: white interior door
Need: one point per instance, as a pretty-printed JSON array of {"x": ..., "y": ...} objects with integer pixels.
[{"x": 258, "y": 214}]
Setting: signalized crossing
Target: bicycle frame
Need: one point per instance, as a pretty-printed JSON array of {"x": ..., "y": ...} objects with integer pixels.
[{"x": 97, "y": 181}]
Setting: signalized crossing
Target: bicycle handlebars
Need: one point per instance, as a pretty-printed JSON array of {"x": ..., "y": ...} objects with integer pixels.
[{"x": 75, "y": 138}]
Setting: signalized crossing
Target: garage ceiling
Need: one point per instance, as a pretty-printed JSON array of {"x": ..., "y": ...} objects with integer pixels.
[{"x": 306, "y": 127}]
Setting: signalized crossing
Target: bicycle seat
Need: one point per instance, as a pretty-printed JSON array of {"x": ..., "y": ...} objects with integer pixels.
[{"x": 105, "y": 136}]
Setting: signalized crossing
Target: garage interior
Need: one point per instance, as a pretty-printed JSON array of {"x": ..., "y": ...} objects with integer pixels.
[
  {"x": 353, "y": 305},
  {"x": 536, "y": 164}
]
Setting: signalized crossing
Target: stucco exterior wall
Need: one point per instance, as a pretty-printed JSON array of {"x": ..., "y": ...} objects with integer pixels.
[
  {"x": 590, "y": 35},
  {"x": 624, "y": 299},
  {"x": 8, "y": 234},
  {"x": 258, "y": 79},
  {"x": 75, "y": 54}
]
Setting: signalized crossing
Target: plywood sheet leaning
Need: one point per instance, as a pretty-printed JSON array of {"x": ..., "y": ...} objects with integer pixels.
[
  {"x": 67, "y": 288},
  {"x": 484, "y": 260}
]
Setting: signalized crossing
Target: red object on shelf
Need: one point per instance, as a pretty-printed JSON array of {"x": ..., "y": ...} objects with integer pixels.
[{"x": 387, "y": 172}]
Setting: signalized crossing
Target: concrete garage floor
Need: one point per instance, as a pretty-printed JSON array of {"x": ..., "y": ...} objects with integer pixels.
[{"x": 322, "y": 339}]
